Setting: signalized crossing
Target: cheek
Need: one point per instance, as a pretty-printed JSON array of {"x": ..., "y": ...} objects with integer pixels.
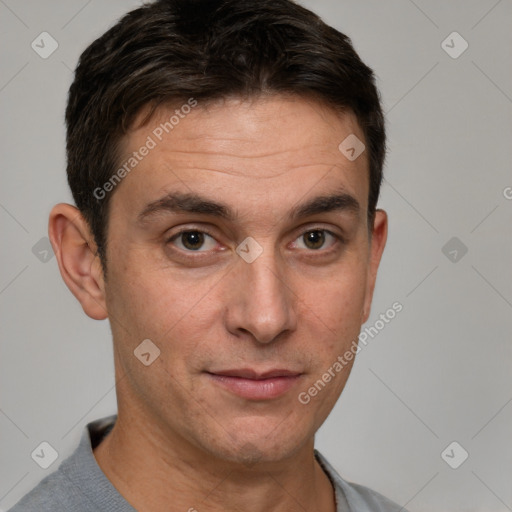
[
  {"x": 338, "y": 301},
  {"x": 177, "y": 314}
]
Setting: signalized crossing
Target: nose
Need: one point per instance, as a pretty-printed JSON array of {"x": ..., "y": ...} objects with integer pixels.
[{"x": 262, "y": 301}]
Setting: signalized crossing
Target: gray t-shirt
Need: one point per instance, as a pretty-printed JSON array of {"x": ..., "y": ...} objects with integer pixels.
[{"x": 79, "y": 484}]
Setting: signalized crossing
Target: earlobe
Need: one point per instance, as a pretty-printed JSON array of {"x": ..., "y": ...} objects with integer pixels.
[
  {"x": 378, "y": 242},
  {"x": 77, "y": 258}
]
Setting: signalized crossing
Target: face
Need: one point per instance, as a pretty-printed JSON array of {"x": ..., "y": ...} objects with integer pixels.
[{"x": 239, "y": 246}]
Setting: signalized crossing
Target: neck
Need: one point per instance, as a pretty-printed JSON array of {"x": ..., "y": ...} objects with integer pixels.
[{"x": 157, "y": 472}]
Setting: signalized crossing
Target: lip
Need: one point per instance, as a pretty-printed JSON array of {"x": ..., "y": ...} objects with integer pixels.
[{"x": 253, "y": 385}]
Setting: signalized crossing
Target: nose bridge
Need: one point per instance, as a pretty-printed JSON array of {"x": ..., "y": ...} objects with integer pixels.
[{"x": 264, "y": 304}]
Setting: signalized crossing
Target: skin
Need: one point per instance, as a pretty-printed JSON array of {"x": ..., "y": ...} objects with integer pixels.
[{"x": 182, "y": 441}]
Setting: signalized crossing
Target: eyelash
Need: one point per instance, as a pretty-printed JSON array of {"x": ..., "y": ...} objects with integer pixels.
[{"x": 338, "y": 240}]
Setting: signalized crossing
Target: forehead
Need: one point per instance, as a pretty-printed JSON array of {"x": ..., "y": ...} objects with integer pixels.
[{"x": 253, "y": 153}]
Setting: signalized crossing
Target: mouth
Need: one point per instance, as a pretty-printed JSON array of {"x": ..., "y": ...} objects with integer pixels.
[{"x": 254, "y": 385}]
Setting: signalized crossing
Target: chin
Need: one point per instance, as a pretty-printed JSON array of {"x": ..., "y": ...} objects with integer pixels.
[
  {"x": 250, "y": 454},
  {"x": 254, "y": 444}
]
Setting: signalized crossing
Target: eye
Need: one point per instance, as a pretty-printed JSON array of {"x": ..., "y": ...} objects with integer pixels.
[
  {"x": 315, "y": 239},
  {"x": 193, "y": 240}
]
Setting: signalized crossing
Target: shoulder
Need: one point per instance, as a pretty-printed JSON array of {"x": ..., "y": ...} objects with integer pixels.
[
  {"x": 78, "y": 485},
  {"x": 52, "y": 493},
  {"x": 363, "y": 498},
  {"x": 357, "y": 497}
]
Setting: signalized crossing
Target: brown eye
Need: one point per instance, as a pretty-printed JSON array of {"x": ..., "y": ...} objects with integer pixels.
[
  {"x": 318, "y": 240},
  {"x": 192, "y": 240},
  {"x": 314, "y": 239}
]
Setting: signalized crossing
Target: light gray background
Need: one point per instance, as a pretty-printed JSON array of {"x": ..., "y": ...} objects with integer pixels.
[{"x": 439, "y": 372}]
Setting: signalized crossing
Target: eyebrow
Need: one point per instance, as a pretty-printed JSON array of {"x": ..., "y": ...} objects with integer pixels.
[{"x": 179, "y": 202}]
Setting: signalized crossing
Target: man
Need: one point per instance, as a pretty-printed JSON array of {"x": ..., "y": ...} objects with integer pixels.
[{"x": 225, "y": 157}]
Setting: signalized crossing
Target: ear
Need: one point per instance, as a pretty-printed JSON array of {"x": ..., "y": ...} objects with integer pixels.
[
  {"x": 76, "y": 254},
  {"x": 377, "y": 244}
]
